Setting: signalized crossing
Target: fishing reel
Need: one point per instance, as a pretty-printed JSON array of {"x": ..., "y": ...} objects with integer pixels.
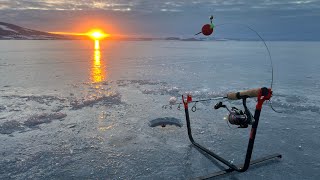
[{"x": 237, "y": 116}]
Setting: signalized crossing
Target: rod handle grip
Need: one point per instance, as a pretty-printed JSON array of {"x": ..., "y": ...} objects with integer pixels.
[{"x": 247, "y": 93}]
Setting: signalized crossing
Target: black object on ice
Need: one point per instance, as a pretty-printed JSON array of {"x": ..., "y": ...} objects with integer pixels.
[
  {"x": 165, "y": 121},
  {"x": 262, "y": 95}
]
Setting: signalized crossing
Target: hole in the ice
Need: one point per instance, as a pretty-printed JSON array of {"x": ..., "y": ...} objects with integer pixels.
[{"x": 163, "y": 122}]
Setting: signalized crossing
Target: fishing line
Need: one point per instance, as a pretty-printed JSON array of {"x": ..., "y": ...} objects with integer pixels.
[
  {"x": 264, "y": 42},
  {"x": 194, "y": 107},
  {"x": 269, "y": 55},
  {"x": 208, "y": 29}
]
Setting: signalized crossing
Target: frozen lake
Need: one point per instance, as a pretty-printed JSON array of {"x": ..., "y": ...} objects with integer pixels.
[{"x": 69, "y": 110}]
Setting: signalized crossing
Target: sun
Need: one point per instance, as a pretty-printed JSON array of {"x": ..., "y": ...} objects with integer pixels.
[{"x": 97, "y": 34}]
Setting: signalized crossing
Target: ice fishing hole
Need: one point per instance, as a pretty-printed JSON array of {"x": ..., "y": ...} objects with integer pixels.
[{"x": 163, "y": 122}]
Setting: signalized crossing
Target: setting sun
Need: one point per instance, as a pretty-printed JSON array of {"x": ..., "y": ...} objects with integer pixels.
[{"x": 97, "y": 34}]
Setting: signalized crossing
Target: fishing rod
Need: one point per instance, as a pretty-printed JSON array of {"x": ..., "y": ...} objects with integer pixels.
[
  {"x": 173, "y": 101},
  {"x": 236, "y": 116},
  {"x": 208, "y": 29}
]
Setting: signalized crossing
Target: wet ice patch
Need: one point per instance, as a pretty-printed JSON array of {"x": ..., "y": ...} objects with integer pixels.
[
  {"x": 2, "y": 108},
  {"x": 10, "y": 127},
  {"x": 163, "y": 122},
  {"x": 138, "y": 82},
  {"x": 44, "y": 99},
  {"x": 111, "y": 99},
  {"x": 38, "y": 119},
  {"x": 23, "y": 105}
]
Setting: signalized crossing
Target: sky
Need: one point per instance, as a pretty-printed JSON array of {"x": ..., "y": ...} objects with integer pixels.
[{"x": 274, "y": 20}]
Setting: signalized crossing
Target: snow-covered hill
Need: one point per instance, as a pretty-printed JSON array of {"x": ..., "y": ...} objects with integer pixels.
[{"x": 11, "y": 31}]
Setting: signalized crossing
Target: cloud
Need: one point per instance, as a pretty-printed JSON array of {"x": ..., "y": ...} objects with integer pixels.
[
  {"x": 164, "y": 17},
  {"x": 155, "y": 5},
  {"x": 64, "y": 5}
]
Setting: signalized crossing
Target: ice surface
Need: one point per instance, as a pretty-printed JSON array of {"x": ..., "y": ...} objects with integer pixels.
[{"x": 66, "y": 114}]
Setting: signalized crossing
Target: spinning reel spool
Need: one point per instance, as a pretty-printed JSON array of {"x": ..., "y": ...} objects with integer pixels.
[{"x": 237, "y": 116}]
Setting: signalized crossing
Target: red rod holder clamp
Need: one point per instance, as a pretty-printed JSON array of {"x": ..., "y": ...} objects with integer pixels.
[
  {"x": 187, "y": 101},
  {"x": 264, "y": 94}
]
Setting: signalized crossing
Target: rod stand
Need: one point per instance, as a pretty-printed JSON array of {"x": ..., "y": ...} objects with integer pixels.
[{"x": 232, "y": 167}]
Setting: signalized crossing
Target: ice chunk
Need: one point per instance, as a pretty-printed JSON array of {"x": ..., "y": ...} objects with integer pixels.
[{"x": 172, "y": 100}]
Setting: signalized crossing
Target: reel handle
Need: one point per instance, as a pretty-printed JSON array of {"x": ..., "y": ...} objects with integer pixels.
[{"x": 249, "y": 93}]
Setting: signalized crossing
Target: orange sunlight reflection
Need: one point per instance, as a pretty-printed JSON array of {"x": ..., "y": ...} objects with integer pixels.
[
  {"x": 98, "y": 72},
  {"x": 96, "y": 44}
]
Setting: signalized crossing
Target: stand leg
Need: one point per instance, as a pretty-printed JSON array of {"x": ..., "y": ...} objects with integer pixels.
[
  {"x": 229, "y": 170},
  {"x": 232, "y": 167}
]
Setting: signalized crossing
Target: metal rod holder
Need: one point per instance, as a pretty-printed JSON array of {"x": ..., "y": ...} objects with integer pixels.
[{"x": 239, "y": 168}]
